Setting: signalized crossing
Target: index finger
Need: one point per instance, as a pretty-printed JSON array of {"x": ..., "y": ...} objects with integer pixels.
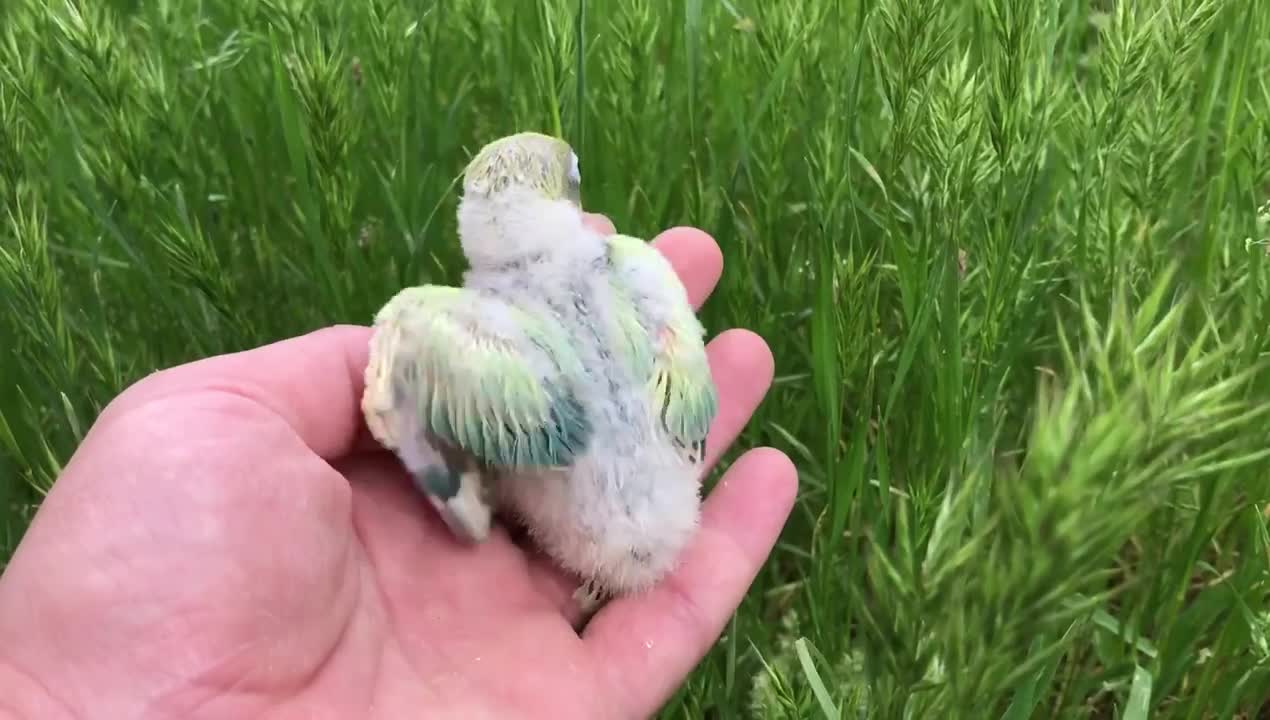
[
  {"x": 696, "y": 258},
  {"x": 314, "y": 382}
]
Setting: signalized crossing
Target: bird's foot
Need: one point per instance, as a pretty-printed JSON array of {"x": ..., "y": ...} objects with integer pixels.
[{"x": 589, "y": 598}]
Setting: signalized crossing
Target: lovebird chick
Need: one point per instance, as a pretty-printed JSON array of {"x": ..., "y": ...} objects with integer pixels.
[{"x": 565, "y": 385}]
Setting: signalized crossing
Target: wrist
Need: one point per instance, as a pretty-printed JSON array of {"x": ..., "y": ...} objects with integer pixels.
[{"x": 24, "y": 697}]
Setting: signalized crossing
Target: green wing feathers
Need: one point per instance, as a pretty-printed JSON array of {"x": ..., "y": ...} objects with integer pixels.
[
  {"x": 666, "y": 343},
  {"x": 683, "y": 389},
  {"x": 482, "y": 376}
]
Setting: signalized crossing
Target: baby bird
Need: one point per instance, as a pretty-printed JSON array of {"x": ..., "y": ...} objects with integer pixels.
[{"x": 565, "y": 385}]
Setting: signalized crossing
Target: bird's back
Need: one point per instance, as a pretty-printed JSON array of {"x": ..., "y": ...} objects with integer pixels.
[
  {"x": 581, "y": 299},
  {"x": 627, "y": 504}
]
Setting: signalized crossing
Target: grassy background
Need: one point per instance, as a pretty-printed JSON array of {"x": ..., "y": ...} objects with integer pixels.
[{"x": 1007, "y": 254}]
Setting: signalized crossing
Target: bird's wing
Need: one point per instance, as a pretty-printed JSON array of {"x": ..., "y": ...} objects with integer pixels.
[
  {"x": 663, "y": 342},
  {"x": 477, "y": 373}
]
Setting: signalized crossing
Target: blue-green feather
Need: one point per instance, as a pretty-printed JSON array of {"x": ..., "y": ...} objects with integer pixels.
[{"x": 473, "y": 385}]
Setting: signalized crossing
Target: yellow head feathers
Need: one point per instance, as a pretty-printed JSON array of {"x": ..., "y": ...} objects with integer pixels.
[{"x": 526, "y": 161}]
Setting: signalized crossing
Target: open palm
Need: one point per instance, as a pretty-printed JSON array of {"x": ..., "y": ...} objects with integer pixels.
[{"x": 228, "y": 543}]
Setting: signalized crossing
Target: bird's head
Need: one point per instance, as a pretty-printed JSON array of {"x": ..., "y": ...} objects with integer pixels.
[
  {"x": 527, "y": 162},
  {"x": 522, "y": 199}
]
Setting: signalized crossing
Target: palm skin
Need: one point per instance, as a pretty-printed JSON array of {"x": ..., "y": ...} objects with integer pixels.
[{"x": 228, "y": 543}]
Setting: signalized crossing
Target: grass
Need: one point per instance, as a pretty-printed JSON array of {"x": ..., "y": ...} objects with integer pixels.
[{"x": 1007, "y": 254}]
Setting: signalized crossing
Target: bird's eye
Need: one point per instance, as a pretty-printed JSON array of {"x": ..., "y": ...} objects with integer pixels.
[{"x": 575, "y": 174}]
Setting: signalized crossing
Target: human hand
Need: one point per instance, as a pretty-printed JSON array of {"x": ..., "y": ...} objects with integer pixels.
[{"x": 227, "y": 542}]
